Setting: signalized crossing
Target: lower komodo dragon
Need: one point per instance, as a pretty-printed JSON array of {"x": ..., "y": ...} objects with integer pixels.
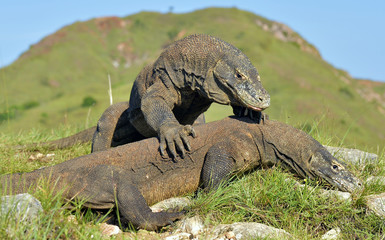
[
  {"x": 137, "y": 175},
  {"x": 170, "y": 94}
]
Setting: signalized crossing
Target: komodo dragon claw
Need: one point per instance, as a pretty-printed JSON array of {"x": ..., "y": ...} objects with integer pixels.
[{"x": 175, "y": 134}]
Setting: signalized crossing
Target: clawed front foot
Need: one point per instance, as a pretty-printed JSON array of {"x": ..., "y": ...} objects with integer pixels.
[
  {"x": 161, "y": 219},
  {"x": 174, "y": 135}
]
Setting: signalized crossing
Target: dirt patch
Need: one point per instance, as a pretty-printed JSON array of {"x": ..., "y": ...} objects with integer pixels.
[{"x": 106, "y": 24}]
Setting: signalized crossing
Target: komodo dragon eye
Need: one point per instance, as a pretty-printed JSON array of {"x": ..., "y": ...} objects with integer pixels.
[
  {"x": 239, "y": 75},
  {"x": 337, "y": 167}
]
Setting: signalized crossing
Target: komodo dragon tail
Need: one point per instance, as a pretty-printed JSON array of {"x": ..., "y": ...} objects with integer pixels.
[{"x": 80, "y": 137}]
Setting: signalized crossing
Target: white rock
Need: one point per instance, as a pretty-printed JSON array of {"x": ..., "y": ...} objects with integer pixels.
[
  {"x": 344, "y": 196},
  {"x": 332, "y": 234},
  {"x": 376, "y": 203},
  {"x": 249, "y": 230},
  {"x": 179, "y": 236},
  {"x": 20, "y": 207},
  {"x": 193, "y": 225},
  {"x": 353, "y": 156},
  {"x": 171, "y": 203},
  {"x": 376, "y": 180},
  {"x": 109, "y": 230}
]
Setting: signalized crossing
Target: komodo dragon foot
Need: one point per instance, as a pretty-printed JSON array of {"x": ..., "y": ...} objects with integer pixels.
[{"x": 175, "y": 135}]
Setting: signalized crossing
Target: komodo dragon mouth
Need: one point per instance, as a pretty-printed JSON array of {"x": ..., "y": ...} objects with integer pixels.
[{"x": 250, "y": 97}]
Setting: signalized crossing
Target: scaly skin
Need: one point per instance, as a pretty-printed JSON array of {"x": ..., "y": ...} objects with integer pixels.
[
  {"x": 169, "y": 95},
  {"x": 139, "y": 176}
]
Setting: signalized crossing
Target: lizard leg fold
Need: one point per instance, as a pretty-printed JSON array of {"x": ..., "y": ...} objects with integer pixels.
[
  {"x": 133, "y": 207},
  {"x": 114, "y": 128},
  {"x": 218, "y": 165}
]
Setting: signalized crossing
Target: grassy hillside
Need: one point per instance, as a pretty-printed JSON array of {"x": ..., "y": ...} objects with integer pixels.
[{"x": 49, "y": 83}]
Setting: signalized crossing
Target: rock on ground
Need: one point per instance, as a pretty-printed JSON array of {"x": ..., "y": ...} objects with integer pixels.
[
  {"x": 178, "y": 203},
  {"x": 353, "y": 156},
  {"x": 334, "y": 194},
  {"x": 109, "y": 230},
  {"x": 376, "y": 203},
  {"x": 332, "y": 234},
  {"x": 193, "y": 225},
  {"x": 179, "y": 236},
  {"x": 248, "y": 230},
  {"x": 380, "y": 180},
  {"x": 21, "y": 207}
]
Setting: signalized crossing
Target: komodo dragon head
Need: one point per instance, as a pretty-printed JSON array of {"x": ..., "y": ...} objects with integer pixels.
[
  {"x": 323, "y": 165},
  {"x": 239, "y": 79},
  {"x": 299, "y": 152}
]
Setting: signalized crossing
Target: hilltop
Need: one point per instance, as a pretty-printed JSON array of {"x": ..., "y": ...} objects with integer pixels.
[{"x": 63, "y": 79}]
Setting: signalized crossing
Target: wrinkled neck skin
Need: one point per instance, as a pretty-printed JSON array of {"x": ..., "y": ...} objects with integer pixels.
[
  {"x": 288, "y": 146},
  {"x": 209, "y": 88},
  {"x": 302, "y": 154}
]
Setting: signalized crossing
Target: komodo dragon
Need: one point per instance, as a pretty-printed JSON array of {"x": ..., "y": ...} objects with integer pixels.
[
  {"x": 169, "y": 95},
  {"x": 136, "y": 174}
]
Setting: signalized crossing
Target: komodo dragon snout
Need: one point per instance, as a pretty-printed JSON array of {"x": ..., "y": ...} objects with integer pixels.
[
  {"x": 327, "y": 167},
  {"x": 238, "y": 76}
]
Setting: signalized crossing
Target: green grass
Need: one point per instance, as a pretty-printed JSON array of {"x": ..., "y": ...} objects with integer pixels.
[
  {"x": 55, "y": 222},
  {"x": 263, "y": 196}
]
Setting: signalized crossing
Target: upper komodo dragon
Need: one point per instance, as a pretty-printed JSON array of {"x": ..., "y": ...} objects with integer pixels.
[
  {"x": 136, "y": 174},
  {"x": 170, "y": 94}
]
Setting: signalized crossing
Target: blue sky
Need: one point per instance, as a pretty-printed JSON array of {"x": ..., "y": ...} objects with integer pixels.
[{"x": 349, "y": 34}]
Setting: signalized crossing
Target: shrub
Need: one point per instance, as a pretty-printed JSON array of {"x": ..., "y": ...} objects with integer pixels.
[
  {"x": 30, "y": 104},
  {"x": 88, "y": 101},
  {"x": 345, "y": 91}
]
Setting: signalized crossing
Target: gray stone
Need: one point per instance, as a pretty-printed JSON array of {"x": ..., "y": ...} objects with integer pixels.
[
  {"x": 249, "y": 230},
  {"x": 171, "y": 203},
  {"x": 343, "y": 196},
  {"x": 376, "y": 203},
  {"x": 109, "y": 230},
  {"x": 21, "y": 207},
  {"x": 353, "y": 156},
  {"x": 380, "y": 180},
  {"x": 179, "y": 236},
  {"x": 332, "y": 234},
  {"x": 193, "y": 225}
]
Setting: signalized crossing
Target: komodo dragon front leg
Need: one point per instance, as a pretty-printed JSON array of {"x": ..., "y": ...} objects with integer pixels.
[
  {"x": 114, "y": 127},
  {"x": 157, "y": 105},
  {"x": 227, "y": 157}
]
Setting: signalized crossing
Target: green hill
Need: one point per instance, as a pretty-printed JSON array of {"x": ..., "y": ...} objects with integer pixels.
[{"x": 63, "y": 79}]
